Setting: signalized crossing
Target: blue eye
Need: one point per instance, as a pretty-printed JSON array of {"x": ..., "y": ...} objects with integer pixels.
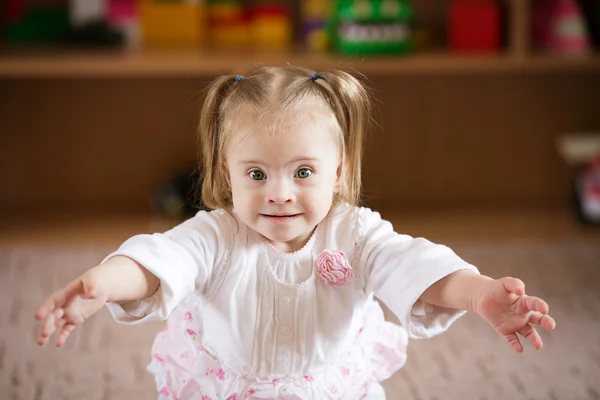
[
  {"x": 303, "y": 173},
  {"x": 257, "y": 175}
]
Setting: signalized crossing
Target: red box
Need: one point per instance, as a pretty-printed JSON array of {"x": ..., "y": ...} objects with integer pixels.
[{"x": 474, "y": 26}]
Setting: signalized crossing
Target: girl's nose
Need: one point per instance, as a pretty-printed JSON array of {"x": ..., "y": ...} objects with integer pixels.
[{"x": 280, "y": 192}]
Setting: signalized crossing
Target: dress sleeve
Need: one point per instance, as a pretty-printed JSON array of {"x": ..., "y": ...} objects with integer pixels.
[
  {"x": 182, "y": 258},
  {"x": 399, "y": 268}
]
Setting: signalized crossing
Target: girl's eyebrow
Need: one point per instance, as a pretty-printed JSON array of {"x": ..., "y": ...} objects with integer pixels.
[
  {"x": 249, "y": 162},
  {"x": 295, "y": 160}
]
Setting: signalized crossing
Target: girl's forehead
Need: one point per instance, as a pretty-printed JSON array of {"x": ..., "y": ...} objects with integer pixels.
[
  {"x": 280, "y": 144},
  {"x": 316, "y": 122}
]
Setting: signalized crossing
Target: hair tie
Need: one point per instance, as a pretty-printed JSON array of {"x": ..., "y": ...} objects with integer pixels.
[
  {"x": 238, "y": 78},
  {"x": 315, "y": 76}
]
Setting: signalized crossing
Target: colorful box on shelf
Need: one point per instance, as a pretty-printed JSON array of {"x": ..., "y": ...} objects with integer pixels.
[
  {"x": 170, "y": 23},
  {"x": 372, "y": 26},
  {"x": 315, "y": 24},
  {"x": 270, "y": 26},
  {"x": 474, "y": 26},
  {"x": 229, "y": 23},
  {"x": 316, "y": 35},
  {"x": 31, "y": 23},
  {"x": 558, "y": 26},
  {"x": 123, "y": 15}
]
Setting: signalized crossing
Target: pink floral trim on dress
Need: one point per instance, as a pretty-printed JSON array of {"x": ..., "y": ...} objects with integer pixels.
[
  {"x": 333, "y": 267},
  {"x": 182, "y": 367}
]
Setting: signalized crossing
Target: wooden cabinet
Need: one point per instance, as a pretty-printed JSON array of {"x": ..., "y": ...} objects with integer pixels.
[{"x": 98, "y": 131}]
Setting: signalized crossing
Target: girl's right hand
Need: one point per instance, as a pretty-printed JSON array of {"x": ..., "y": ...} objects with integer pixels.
[{"x": 70, "y": 306}]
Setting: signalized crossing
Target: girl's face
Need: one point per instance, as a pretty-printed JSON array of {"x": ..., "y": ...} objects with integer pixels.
[{"x": 283, "y": 181}]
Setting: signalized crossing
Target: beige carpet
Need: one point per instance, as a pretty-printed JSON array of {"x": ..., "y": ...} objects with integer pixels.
[{"x": 104, "y": 360}]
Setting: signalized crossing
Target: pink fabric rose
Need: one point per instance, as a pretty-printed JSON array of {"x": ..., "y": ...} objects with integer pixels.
[
  {"x": 333, "y": 268},
  {"x": 221, "y": 374}
]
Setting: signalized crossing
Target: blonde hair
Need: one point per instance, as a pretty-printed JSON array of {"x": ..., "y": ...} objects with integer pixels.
[{"x": 281, "y": 88}]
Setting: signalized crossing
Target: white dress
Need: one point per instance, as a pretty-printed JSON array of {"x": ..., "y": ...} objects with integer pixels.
[{"x": 246, "y": 321}]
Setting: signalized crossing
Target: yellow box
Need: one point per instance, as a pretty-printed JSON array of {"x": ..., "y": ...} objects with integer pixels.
[
  {"x": 271, "y": 32},
  {"x": 230, "y": 36},
  {"x": 172, "y": 24}
]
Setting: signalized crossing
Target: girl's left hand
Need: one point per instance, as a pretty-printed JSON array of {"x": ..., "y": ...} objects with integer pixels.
[{"x": 505, "y": 306}]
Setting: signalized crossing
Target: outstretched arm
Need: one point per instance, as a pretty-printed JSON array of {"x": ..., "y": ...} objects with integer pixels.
[
  {"x": 500, "y": 302},
  {"x": 118, "y": 279}
]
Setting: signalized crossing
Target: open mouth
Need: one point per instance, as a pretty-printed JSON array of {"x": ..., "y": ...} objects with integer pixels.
[{"x": 373, "y": 33}]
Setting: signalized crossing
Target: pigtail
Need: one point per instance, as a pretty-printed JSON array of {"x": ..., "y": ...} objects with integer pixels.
[
  {"x": 214, "y": 192},
  {"x": 351, "y": 102}
]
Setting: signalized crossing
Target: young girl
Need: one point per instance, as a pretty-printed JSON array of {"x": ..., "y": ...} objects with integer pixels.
[{"x": 271, "y": 294}]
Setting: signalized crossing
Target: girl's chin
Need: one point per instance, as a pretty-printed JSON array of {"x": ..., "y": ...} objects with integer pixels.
[{"x": 288, "y": 242}]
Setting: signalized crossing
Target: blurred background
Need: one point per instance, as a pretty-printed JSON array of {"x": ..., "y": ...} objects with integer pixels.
[{"x": 487, "y": 138}]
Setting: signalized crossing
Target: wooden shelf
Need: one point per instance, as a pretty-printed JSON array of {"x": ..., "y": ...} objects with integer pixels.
[{"x": 189, "y": 63}]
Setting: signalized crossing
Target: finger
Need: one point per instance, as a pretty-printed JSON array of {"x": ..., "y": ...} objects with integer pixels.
[
  {"x": 56, "y": 300},
  {"x": 64, "y": 334},
  {"x": 47, "y": 329},
  {"x": 529, "y": 333},
  {"x": 536, "y": 304},
  {"x": 543, "y": 320},
  {"x": 53, "y": 321},
  {"x": 41, "y": 340},
  {"x": 514, "y": 285},
  {"x": 514, "y": 342}
]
